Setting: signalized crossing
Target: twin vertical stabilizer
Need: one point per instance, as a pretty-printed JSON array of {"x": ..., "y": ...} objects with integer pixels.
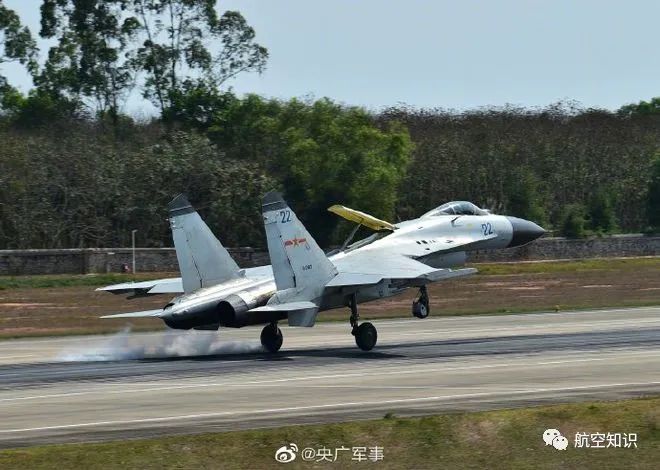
[
  {"x": 300, "y": 267},
  {"x": 203, "y": 261},
  {"x": 297, "y": 260}
]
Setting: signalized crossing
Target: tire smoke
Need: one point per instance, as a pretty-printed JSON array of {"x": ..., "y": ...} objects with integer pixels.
[{"x": 167, "y": 344}]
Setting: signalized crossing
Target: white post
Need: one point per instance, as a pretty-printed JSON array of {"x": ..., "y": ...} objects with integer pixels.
[{"x": 133, "y": 244}]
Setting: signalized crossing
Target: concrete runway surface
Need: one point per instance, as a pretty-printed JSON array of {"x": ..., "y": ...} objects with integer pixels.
[{"x": 130, "y": 385}]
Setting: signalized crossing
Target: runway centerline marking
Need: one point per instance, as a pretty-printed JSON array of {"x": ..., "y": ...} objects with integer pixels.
[{"x": 324, "y": 406}]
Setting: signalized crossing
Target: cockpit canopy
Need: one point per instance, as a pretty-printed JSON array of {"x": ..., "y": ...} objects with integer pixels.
[{"x": 456, "y": 208}]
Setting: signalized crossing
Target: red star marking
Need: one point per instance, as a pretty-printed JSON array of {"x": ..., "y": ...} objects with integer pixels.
[{"x": 295, "y": 241}]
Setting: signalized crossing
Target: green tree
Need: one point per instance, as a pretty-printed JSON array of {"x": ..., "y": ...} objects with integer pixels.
[
  {"x": 653, "y": 199},
  {"x": 226, "y": 192},
  {"x": 323, "y": 153},
  {"x": 91, "y": 62},
  {"x": 16, "y": 45},
  {"x": 197, "y": 106},
  {"x": 169, "y": 47},
  {"x": 185, "y": 44},
  {"x": 641, "y": 108},
  {"x": 573, "y": 221},
  {"x": 39, "y": 109},
  {"x": 600, "y": 212},
  {"x": 523, "y": 197}
]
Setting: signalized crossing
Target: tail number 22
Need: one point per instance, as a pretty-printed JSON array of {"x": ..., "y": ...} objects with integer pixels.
[{"x": 285, "y": 216}]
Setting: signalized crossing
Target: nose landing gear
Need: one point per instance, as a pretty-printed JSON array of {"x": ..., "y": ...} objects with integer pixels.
[
  {"x": 365, "y": 333},
  {"x": 420, "y": 307}
]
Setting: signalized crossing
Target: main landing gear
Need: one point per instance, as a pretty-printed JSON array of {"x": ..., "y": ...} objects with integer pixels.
[
  {"x": 365, "y": 333},
  {"x": 420, "y": 307},
  {"x": 271, "y": 337}
]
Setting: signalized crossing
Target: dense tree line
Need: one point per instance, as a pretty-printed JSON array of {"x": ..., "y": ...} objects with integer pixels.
[
  {"x": 541, "y": 164},
  {"x": 80, "y": 183},
  {"x": 77, "y": 171},
  {"x": 71, "y": 184}
]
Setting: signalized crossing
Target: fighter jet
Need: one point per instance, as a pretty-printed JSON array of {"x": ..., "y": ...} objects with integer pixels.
[{"x": 303, "y": 281}]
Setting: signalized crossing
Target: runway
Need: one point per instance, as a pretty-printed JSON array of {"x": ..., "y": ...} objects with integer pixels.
[{"x": 66, "y": 389}]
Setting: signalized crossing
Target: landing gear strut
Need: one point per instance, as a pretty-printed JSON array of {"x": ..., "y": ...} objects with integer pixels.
[
  {"x": 420, "y": 307},
  {"x": 365, "y": 333},
  {"x": 271, "y": 337}
]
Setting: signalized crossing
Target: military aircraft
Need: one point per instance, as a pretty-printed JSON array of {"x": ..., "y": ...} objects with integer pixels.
[{"x": 303, "y": 280}]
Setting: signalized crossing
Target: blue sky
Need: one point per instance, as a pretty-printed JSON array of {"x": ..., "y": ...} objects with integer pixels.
[{"x": 441, "y": 53}]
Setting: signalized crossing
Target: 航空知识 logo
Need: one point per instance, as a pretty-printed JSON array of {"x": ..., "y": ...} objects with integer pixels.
[
  {"x": 286, "y": 454},
  {"x": 552, "y": 437}
]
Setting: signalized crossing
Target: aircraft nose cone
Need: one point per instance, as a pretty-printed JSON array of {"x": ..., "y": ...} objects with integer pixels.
[{"x": 524, "y": 231}]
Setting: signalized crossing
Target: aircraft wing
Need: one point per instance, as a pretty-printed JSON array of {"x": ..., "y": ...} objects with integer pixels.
[
  {"x": 146, "y": 288},
  {"x": 367, "y": 269},
  {"x": 171, "y": 285}
]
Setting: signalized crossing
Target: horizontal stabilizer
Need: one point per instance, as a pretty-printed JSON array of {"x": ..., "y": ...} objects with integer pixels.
[
  {"x": 301, "y": 313},
  {"x": 144, "y": 313},
  {"x": 145, "y": 288},
  {"x": 125, "y": 287},
  {"x": 171, "y": 286},
  {"x": 362, "y": 218}
]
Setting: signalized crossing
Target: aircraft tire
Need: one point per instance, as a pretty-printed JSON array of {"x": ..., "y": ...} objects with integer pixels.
[
  {"x": 366, "y": 336},
  {"x": 271, "y": 338},
  {"x": 420, "y": 309}
]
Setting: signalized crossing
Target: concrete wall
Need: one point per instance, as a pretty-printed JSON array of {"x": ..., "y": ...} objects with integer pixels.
[
  {"x": 563, "y": 248},
  {"x": 82, "y": 261},
  {"x": 104, "y": 260}
]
